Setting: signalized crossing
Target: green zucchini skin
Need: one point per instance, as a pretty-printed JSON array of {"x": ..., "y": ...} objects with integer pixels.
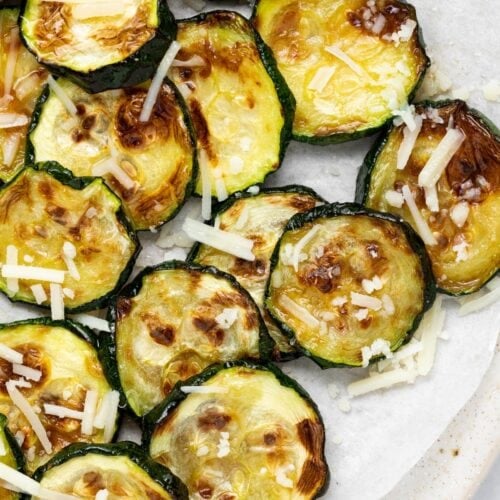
[
  {"x": 13, "y": 449},
  {"x": 364, "y": 177},
  {"x": 284, "y": 94},
  {"x": 353, "y": 209},
  {"x": 278, "y": 355},
  {"x": 108, "y": 345},
  {"x": 135, "y": 69},
  {"x": 166, "y": 408},
  {"x": 339, "y": 138},
  {"x": 30, "y": 154},
  {"x": 65, "y": 177},
  {"x": 160, "y": 474}
]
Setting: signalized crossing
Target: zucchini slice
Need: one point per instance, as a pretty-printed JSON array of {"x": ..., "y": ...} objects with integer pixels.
[
  {"x": 241, "y": 108},
  {"x": 465, "y": 216},
  {"x": 65, "y": 354},
  {"x": 349, "y": 64},
  {"x": 22, "y": 83},
  {"x": 11, "y": 455},
  {"x": 174, "y": 320},
  {"x": 252, "y": 433},
  {"x": 157, "y": 157},
  {"x": 260, "y": 218},
  {"x": 55, "y": 222},
  {"x": 122, "y": 469},
  {"x": 343, "y": 277},
  {"x": 99, "y": 47}
]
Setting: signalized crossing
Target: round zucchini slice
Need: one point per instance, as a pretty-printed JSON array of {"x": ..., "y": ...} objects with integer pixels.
[
  {"x": 19, "y": 88},
  {"x": 249, "y": 432},
  {"x": 344, "y": 277},
  {"x": 349, "y": 64},
  {"x": 67, "y": 231},
  {"x": 260, "y": 218},
  {"x": 155, "y": 161},
  {"x": 65, "y": 360},
  {"x": 121, "y": 469},
  {"x": 11, "y": 455},
  {"x": 99, "y": 47},
  {"x": 464, "y": 215},
  {"x": 173, "y": 321},
  {"x": 241, "y": 108}
]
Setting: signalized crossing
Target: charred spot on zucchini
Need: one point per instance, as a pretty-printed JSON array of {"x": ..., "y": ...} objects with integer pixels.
[
  {"x": 462, "y": 208},
  {"x": 173, "y": 321},
  {"x": 260, "y": 218},
  {"x": 122, "y": 469},
  {"x": 21, "y": 81},
  {"x": 99, "y": 47},
  {"x": 10, "y": 455},
  {"x": 62, "y": 365},
  {"x": 58, "y": 228},
  {"x": 342, "y": 277},
  {"x": 240, "y": 429},
  {"x": 241, "y": 108},
  {"x": 149, "y": 165},
  {"x": 349, "y": 64}
]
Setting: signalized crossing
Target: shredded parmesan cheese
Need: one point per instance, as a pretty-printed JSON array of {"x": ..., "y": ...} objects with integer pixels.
[
  {"x": 206, "y": 185},
  {"x": 459, "y": 213},
  {"x": 431, "y": 198},
  {"x": 336, "y": 51},
  {"x": 227, "y": 318},
  {"x": 203, "y": 389},
  {"x": 102, "y": 494},
  {"x": 321, "y": 78},
  {"x": 394, "y": 198},
  {"x": 193, "y": 61},
  {"x": 11, "y": 259},
  {"x": 221, "y": 240},
  {"x": 22, "y": 403},
  {"x": 89, "y": 411},
  {"x": 156, "y": 82},
  {"x": 440, "y": 157},
  {"x": 298, "y": 311},
  {"x": 281, "y": 476},
  {"x": 422, "y": 227},
  {"x": 408, "y": 143},
  {"x": 62, "y": 411},
  {"x": 62, "y": 96},
  {"x": 33, "y": 273},
  {"x": 69, "y": 253},
  {"x": 109, "y": 165},
  {"x": 299, "y": 246},
  {"x": 92, "y": 322},
  {"x": 26, "y": 371},
  {"x": 56, "y": 301},
  {"x": 361, "y": 300},
  {"x": 10, "y": 355},
  {"x": 10, "y": 147}
]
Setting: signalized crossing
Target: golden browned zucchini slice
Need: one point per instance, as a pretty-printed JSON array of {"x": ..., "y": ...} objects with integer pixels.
[
  {"x": 344, "y": 278},
  {"x": 241, "y": 108},
  {"x": 59, "y": 230},
  {"x": 123, "y": 470},
  {"x": 21, "y": 81},
  {"x": 150, "y": 165},
  {"x": 174, "y": 320},
  {"x": 260, "y": 218},
  {"x": 62, "y": 367},
  {"x": 350, "y": 64},
  {"x": 241, "y": 430},
  {"x": 462, "y": 209},
  {"x": 99, "y": 45}
]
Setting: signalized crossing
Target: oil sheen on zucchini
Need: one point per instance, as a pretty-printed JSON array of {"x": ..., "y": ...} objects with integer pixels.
[
  {"x": 241, "y": 108},
  {"x": 174, "y": 320},
  {"x": 12, "y": 457},
  {"x": 466, "y": 225},
  {"x": 98, "y": 46},
  {"x": 157, "y": 156},
  {"x": 64, "y": 352},
  {"x": 343, "y": 277},
  {"x": 349, "y": 63},
  {"x": 260, "y": 218},
  {"x": 123, "y": 469},
  {"x": 254, "y": 433},
  {"x": 22, "y": 90},
  {"x": 44, "y": 211}
]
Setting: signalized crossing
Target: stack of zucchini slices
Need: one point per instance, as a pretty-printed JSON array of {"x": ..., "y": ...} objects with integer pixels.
[{"x": 113, "y": 146}]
